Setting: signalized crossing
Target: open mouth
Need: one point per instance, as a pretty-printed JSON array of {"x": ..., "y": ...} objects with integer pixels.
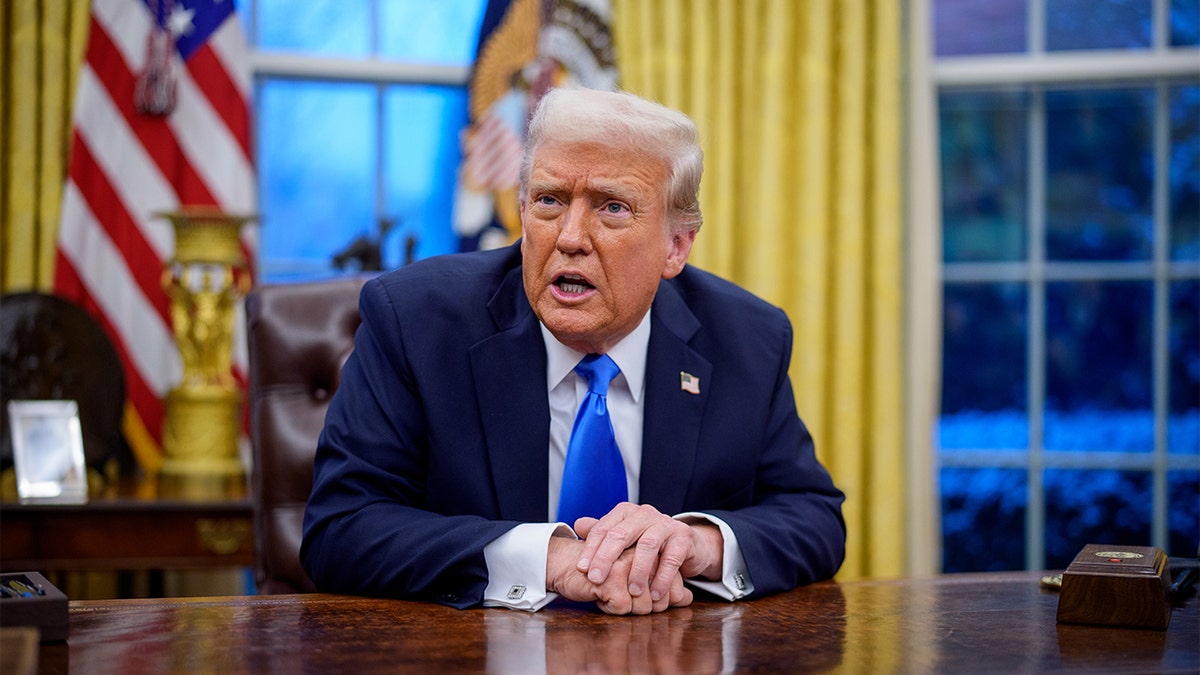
[{"x": 572, "y": 284}]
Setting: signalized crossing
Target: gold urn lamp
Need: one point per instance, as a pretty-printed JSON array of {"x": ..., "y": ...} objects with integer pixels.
[{"x": 204, "y": 280}]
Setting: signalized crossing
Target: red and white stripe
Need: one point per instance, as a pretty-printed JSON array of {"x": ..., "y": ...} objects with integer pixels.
[
  {"x": 125, "y": 168},
  {"x": 492, "y": 156}
]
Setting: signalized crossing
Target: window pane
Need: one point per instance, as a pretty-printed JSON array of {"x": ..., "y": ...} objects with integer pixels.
[
  {"x": 984, "y": 319},
  {"x": 1099, "y": 430},
  {"x": 1185, "y": 23},
  {"x": 1098, "y": 365},
  {"x": 979, "y": 26},
  {"x": 983, "y": 519},
  {"x": 443, "y": 32},
  {"x": 1183, "y": 421},
  {"x": 422, "y": 127},
  {"x": 1098, "y": 24},
  {"x": 316, "y": 161},
  {"x": 325, "y": 27},
  {"x": 1099, "y": 174},
  {"x": 1185, "y": 172},
  {"x": 1183, "y": 513},
  {"x": 984, "y": 430},
  {"x": 984, "y": 137},
  {"x": 1094, "y": 507}
]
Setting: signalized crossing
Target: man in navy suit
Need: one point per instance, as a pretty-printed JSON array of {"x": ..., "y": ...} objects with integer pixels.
[{"x": 441, "y": 466}]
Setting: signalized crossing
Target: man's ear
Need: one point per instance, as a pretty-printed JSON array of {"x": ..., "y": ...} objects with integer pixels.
[{"x": 677, "y": 255}]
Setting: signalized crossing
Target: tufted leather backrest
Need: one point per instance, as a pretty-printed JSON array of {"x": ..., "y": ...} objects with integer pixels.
[{"x": 299, "y": 336}]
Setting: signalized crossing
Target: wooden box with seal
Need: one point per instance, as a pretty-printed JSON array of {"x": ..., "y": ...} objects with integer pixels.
[{"x": 1117, "y": 586}]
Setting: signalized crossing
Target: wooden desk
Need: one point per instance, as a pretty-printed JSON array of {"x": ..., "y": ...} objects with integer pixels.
[
  {"x": 1001, "y": 623},
  {"x": 132, "y": 526}
]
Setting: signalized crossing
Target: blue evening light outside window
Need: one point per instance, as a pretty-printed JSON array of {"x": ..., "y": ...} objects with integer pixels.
[
  {"x": 1071, "y": 243},
  {"x": 1088, "y": 24},
  {"x": 1185, "y": 23},
  {"x": 314, "y": 27},
  {"x": 418, "y": 158},
  {"x": 1093, "y": 506},
  {"x": 1099, "y": 160},
  {"x": 422, "y": 31},
  {"x": 983, "y": 519},
  {"x": 1185, "y": 172},
  {"x": 1099, "y": 366},
  {"x": 990, "y": 319},
  {"x": 317, "y": 170},
  {"x": 338, "y": 158},
  {"x": 984, "y": 148},
  {"x": 1183, "y": 340},
  {"x": 963, "y": 27}
]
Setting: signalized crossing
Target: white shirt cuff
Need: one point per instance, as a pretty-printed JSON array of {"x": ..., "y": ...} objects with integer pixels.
[
  {"x": 735, "y": 581},
  {"x": 516, "y": 565}
]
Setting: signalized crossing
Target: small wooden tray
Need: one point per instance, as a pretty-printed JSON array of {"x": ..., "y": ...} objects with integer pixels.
[
  {"x": 45, "y": 608},
  {"x": 1117, "y": 586}
]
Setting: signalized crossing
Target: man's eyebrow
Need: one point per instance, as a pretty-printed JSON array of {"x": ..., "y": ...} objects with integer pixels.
[
  {"x": 545, "y": 181},
  {"x": 614, "y": 188}
]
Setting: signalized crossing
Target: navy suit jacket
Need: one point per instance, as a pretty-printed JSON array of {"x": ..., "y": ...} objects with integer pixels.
[{"x": 437, "y": 440}]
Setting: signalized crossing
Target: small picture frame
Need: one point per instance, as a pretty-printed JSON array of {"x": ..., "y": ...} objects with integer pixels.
[{"x": 47, "y": 443}]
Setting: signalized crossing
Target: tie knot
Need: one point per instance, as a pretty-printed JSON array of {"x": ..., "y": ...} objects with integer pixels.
[{"x": 599, "y": 370}]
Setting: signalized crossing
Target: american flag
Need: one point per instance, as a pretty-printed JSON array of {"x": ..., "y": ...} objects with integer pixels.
[
  {"x": 161, "y": 120},
  {"x": 689, "y": 383}
]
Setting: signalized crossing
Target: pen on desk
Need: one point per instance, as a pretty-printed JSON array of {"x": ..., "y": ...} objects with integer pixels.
[
  {"x": 1183, "y": 583},
  {"x": 15, "y": 590},
  {"x": 25, "y": 590}
]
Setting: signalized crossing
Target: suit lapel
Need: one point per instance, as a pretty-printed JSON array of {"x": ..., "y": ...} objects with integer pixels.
[
  {"x": 510, "y": 385},
  {"x": 671, "y": 429}
]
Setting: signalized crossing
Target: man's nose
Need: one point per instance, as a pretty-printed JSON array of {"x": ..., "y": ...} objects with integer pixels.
[{"x": 574, "y": 232}]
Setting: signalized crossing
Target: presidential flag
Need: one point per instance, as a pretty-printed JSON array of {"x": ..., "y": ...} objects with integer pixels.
[
  {"x": 525, "y": 48},
  {"x": 161, "y": 121}
]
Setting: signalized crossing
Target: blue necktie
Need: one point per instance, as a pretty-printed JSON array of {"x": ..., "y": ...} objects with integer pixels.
[{"x": 593, "y": 478}]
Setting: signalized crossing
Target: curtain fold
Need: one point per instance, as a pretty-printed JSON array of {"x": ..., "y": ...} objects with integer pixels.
[
  {"x": 42, "y": 49},
  {"x": 800, "y": 117}
]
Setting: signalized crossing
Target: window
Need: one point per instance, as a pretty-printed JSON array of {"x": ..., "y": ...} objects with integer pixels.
[
  {"x": 359, "y": 107},
  {"x": 1070, "y": 163}
]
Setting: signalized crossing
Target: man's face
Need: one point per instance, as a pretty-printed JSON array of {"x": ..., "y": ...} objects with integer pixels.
[{"x": 596, "y": 240}]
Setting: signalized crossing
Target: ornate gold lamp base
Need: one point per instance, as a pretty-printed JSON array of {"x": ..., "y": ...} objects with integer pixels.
[
  {"x": 204, "y": 280},
  {"x": 200, "y": 442}
]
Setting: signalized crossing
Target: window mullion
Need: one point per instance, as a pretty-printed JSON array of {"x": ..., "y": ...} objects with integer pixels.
[
  {"x": 1159, "y": 531},
  {"x": 380, "y": 162},
  {"x": 1035, "y": 514},
  {"x": 1160, "y": 26}
]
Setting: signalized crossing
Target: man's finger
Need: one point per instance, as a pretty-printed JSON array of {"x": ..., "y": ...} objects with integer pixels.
[
  {"x": 605, "y": 539},
  {"x": 670, "y": 560}
]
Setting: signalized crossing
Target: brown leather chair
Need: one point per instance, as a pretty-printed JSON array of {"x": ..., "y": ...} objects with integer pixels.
[{"x": 299, "y": 336}]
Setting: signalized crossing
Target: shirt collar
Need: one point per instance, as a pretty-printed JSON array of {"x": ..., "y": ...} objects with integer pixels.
[{"x": 629, "y": 355}]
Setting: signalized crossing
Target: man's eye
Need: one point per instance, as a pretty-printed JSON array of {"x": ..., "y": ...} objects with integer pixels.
[
  {"x": 614, "y": 207},
  {"x": 547, "y": 200}
]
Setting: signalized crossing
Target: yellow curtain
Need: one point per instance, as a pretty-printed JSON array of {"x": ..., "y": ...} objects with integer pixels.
[
  {"x": 800, "y": 114},
  {"x": 42, "y": 52}
]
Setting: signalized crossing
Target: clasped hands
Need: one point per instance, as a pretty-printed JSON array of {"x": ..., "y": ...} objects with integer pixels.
[{"x": 633, "y": 560}]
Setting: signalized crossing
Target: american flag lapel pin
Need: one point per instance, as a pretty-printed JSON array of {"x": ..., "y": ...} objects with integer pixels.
[{"x": 689, "y": 383}]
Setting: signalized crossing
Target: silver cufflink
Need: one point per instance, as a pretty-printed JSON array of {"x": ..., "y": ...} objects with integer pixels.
[{"x": 516, "y": 592}]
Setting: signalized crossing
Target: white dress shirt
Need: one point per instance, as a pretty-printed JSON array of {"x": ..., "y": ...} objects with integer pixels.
[{"x": 516, "y": 561}]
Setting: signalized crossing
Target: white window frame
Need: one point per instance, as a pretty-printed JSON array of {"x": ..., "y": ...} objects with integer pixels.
[
  {"x": 268, "y": 65},
  {"x": 1159, "y": 66}
]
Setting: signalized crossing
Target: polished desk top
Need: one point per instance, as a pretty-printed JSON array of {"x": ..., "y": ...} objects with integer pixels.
[{"x": 1001, "y": 622}]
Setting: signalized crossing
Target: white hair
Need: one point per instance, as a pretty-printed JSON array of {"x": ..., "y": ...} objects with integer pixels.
[{"x": 576, "y": 114}]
